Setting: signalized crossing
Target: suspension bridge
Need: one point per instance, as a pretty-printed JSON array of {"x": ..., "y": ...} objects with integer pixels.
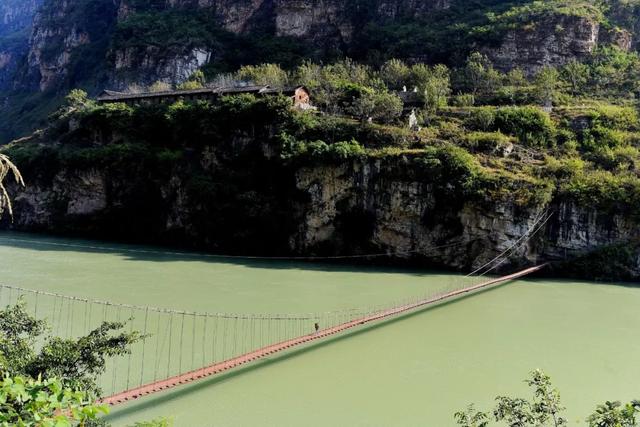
[{"x": 181, "y": 346}]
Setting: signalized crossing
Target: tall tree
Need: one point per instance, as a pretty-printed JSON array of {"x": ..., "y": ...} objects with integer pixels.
[
  {"x": 546, "y": 85},
  {"x": 576, "y": 75},
  {"x": 395, "y": 74},
  {"x": 478, "y": 75},
  {"x": 436, "y": 88}
]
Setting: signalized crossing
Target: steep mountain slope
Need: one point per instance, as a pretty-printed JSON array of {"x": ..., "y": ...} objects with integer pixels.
[{"x": 119, "y": 43}]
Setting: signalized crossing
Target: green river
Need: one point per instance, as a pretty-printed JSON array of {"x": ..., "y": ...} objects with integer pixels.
[{"x": 414, "y": 371}]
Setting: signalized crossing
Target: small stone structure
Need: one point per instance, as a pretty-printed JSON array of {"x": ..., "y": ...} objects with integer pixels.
[{"x": 300, "y": 97}]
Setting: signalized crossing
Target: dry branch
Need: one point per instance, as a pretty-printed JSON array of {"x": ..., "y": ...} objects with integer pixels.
[{"x": 6, "y": 167}]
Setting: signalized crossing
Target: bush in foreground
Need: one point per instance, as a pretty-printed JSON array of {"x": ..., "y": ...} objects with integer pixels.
[{"x": 545, "y": 409}]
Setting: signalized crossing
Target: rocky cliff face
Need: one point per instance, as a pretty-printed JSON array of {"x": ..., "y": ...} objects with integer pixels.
[
  {"x": 70, "y": 37},
  {"x": 152, "y": 64},
  {"x": 356, "y": 207},
  {"x": 46, "y": 68},
  {"x": 60, "y": 32},
  {"x": 64, "y": 31},
  {"x": 554, "y": 42},
  {"x": 318, "y": 19},
  {"x": 301, "y": 18},
  {"x": 324, "y": 24},
  {"x": 406, "y": 217}
]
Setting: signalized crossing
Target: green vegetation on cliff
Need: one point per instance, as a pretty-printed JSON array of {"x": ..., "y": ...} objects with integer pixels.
[{"x": 584, "y": 150}]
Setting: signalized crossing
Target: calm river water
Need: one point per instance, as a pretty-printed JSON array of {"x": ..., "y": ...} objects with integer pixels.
[{"x": 415, "y": 371}]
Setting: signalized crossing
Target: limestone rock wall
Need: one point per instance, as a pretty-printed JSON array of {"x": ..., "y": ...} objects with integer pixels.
[
  {"x": 156, "y": 64},
  {"x": 553, "y": 42},
  {"x": 406, "y": 217},
  {"x": 322, "y": 22},
  {"x": 367, "y": 206},
  {"x": 67, "y": 33},
  {"x": 71, "y": 39},
  {"x": 47, "y": 68}
]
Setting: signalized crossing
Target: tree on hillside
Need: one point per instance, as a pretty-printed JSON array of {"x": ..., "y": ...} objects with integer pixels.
[
  {"x": 576, "y": 76},
  {"x": 197, "y": 80},
  {"x": 380, "y": 106},
  {"x": 333, "y": 84},
  {"x": 266, "y": 74},
  {"x": 160, "y": 86},
  {"x": 516, "y": 77},
  {"x": 395, "y": 74},
  {"x": 546, "y": 83},
  {"x": 436, "y": 88},
  {"x": 6, "y": 168},
  {"x": 478, "y": 75}
]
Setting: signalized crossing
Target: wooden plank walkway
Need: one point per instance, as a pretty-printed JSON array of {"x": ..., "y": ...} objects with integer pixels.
[{"x": 286, "y": 345}]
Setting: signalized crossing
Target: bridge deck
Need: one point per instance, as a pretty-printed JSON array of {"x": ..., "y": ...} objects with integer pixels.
[{"x": 286, "y": 345}]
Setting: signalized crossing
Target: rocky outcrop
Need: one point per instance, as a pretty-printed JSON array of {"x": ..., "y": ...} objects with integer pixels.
[
  {"x": 405, "y": 217},
  {"x": 301, "y": 18},
  {"x": 47, "y": 68},
  {"x": 16, "y": 17},
  {"x": 323, "y": 23},
  {"x": 305, "y": 19},
  {"x": 77, "y": 195},
  {"x": 553, "y": 41},
  {"x": 627, "y": 15},
  {"x": 65, "y": 33},
  {"x": 10, "y": 57},
  {"x": 155, "y": 64}
]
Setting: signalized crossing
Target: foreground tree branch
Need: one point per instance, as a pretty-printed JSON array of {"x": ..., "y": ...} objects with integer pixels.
[{"x": 6, "y": 168}]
